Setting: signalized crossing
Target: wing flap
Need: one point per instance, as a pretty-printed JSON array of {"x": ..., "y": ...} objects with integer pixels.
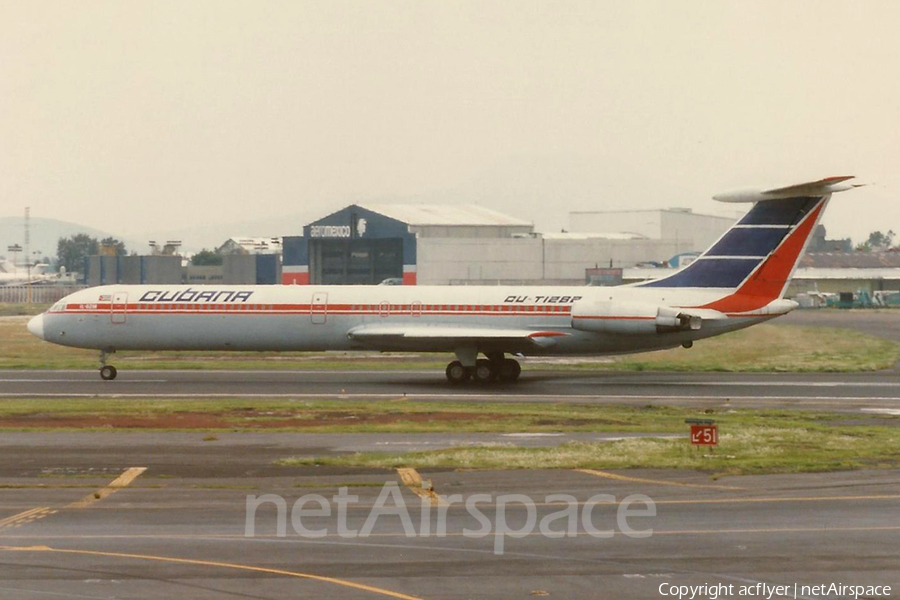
[{"x": 418, "y": 337}]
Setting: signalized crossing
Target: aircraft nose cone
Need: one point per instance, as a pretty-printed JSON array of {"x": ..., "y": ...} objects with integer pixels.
[{"x": 36, "y": 326}]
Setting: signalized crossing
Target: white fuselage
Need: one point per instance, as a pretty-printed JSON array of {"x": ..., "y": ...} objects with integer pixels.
[
  {"x": 739, "y": 281},
  {"x": 316, "y": 318}
]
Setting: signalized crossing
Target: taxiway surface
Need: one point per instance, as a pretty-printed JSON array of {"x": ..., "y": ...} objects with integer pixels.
[
  {"x": 878, "y": 391},
  {"x": 178, "y": 528}
]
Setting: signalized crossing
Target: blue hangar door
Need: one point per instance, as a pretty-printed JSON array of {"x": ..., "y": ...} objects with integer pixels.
[{"x": 355, "y": 261}]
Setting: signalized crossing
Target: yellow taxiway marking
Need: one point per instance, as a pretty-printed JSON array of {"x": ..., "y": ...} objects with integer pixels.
[
  {"x": 222, "y": 565},
  {"x": 40, "y": 512},
  {"x": 432, "y": 535},
  {"x": 461, "y": 505},
  {"x": 824, "y": 529},
  {"x": 21, "y": 515},
  {"x": 114, "y": 486},
  {"x": 412, "y": 480},
  {"x": 656, "y": 481},
  {"x": 26, "y": 517},
  {"x": 779, "y": 499}
]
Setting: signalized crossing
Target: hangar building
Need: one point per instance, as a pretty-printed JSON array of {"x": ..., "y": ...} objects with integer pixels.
[
  {"x": 694, "y": 232},
  {"x": 457, "y": 245},
  {"x": 366, "y": 244},
  {"x": 833, "y": 272},
  {"x": 827, "y": 272}
]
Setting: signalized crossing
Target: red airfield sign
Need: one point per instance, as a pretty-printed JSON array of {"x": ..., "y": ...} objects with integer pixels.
[{"x": 705, "y": 435}]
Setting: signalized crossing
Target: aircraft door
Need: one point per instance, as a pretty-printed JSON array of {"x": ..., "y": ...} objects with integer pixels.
[
  {"x": 318, "y": 313},
  {"x": 118, "y": 308}
]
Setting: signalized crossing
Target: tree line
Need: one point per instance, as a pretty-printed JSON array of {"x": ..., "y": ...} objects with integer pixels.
[
  {"x": 71, "y": 251},
  {"x": 879, "y": 242}
]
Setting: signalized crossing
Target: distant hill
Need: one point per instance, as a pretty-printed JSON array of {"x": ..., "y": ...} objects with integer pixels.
[
  {"x": 542, "y": 189},
  {"x": 198, "y": 237},
  {"x": 45, "y": 233}
]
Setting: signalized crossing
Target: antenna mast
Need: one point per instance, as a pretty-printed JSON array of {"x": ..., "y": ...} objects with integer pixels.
[{"x": 28, "y": 249}]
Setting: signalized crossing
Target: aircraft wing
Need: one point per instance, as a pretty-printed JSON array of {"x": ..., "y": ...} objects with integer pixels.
[{"x": 448, "y": 337}]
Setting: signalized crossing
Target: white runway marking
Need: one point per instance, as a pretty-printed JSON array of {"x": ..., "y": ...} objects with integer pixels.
[
  {"x": 614, "y": 380},
  {"x": 883, "y": 411},
  {"x": 817, "y": 384},
  {"x": 349, "y": 370},
  {"x": 450, "y": 396},
  {"x": 58, "y": 594},
  {"x": 81, "y": 381}
]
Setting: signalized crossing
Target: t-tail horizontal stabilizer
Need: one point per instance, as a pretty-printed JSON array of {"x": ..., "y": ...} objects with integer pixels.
[{"x": 822, "y": 187}]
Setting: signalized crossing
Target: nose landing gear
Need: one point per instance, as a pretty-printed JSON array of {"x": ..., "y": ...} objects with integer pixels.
[{"x": 107, "y": 372}]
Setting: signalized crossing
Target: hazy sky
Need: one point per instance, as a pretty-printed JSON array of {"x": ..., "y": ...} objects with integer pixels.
[{"x": 137, "y": 116}]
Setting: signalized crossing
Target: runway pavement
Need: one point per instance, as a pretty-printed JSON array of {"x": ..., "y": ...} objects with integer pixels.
[
  {"x": 162, "y": 515},
  {"x": 178, "y": 528},
  {"x": 878, "y": 391}
]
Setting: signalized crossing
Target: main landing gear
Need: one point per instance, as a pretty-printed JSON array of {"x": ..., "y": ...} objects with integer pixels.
[
  {"x": 107, "y": 372},
  {"x": 484, "y": 371}
]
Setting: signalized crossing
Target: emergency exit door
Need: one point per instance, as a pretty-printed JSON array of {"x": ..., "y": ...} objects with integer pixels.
[
  {"x": 318, "y": 312},
  {"x": 118, "y": 307}
]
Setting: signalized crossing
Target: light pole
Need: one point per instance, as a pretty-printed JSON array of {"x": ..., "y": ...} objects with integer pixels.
[
  {"x": 14, "y": 249},
  {"x": 27, "y": 248}
]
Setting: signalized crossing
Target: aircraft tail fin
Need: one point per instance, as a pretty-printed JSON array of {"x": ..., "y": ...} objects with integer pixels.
[{"x": 756, "y": 258}]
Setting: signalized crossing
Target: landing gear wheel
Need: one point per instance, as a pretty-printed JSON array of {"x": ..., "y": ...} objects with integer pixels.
[
  {"x": 484, "y": 371},
  {"x": 457, "y": 373},
  {"x": 508, "y": 370},
  {"x": 108, "y": 373}
]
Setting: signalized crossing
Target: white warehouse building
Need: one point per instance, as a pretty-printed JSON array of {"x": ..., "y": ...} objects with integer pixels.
[
  {"x": 692, "y": 232},
  {"x": 539, "y": 259}
]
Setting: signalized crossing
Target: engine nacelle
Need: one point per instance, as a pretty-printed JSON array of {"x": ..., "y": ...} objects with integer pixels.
[{"x": 631, "y": 318}]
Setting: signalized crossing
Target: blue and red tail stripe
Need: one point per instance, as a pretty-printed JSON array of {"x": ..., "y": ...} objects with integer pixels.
[{"x": 743, "y": 252}]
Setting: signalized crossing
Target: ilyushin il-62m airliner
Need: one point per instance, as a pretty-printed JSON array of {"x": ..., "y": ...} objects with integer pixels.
[{"x": 738, "y": 282}]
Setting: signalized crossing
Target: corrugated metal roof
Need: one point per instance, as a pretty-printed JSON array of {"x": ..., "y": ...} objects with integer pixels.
[
  {"x": 851, "y": 260},
  {"x": 593, "y": 236},
  {"x": 680, "y": 211},
  {"x": 637, "y": 273},
  {"x": 847, "y": 273},
  {"x": 255, "y": 245},
  {"x": 440, "y": 214}
]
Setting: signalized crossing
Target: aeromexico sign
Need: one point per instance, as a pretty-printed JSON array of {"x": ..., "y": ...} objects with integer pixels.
[
  {"x": 192, "y": 295},
  {"x": 337, "y": 231}
]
